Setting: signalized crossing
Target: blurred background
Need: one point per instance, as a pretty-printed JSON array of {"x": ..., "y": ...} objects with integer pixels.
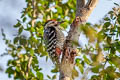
[{"x": 10, "y": 11}]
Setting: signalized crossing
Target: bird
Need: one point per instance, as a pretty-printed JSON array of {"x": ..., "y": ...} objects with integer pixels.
[{"x": 54, "y": 40}]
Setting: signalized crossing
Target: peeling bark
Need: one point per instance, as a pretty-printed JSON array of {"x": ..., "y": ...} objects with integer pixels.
[{"x": 83, "y": 11}]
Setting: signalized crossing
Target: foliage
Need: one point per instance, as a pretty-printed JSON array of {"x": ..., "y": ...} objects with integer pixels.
[
  {"x": 100, "y": 55},
  {"x": 22, "y": 47}
]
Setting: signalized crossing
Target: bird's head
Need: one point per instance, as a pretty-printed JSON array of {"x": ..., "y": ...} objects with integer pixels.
[{"x": 52, "y": 23}]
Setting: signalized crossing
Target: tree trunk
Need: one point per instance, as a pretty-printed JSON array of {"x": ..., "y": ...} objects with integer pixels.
[{"x": 83, "y": 11}]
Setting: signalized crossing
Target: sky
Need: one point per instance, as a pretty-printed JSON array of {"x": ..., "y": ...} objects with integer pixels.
[{"x": 10, "y": 10}]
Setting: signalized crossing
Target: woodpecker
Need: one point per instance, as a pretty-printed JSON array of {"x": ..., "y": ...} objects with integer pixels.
[{"x": 54, "y": 40}]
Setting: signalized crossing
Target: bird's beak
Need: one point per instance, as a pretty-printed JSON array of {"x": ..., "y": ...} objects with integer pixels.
[{"x": 60, "y": 22}]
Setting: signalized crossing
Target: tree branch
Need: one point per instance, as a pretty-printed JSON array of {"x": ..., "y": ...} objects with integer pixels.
[
  {"x": 34, "y": 12},
  {"x": 82, "y": 13},
  {"x": 28, "y": 66},
  {"x": 32, "y": 24},
  {"x": 80, "y": 4}
]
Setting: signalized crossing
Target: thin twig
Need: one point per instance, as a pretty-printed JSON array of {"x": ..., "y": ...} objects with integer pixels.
[
  {"x": 33, "y": 24},
  {"x": 28, "y": 66}
]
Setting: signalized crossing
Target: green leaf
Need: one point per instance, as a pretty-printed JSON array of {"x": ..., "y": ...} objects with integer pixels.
[
  {"x": 116, "y": 61},
  {"x": 95, "y": 77},
  {"x": 16, "y": 40},
  {"x": 55, "y": 70},
  {"x": 110, "y": 12},
  {"x": 22, "y": 41},
  {"x": 107, "y": 24},
  {"x": 75, "y": 73},
  {"x": 116, "y": 4},
  {"x": 96, "y": 68},
  {"x": 106, "y": 19},
  {"x": 17, "y": 25},
  {"x": 118, "y": 19},
  {"x": 17, "y": 69},
  {"x": 10, "y": 71},
  {"x": 32, "y": 29},
  {"x": 20, "y": 30},
  {"x": 77, "y": 60},
  {"x": 59, "y": 10},
  {"x": 81, "y": 68},
  {"x": 86, "y": 59},
  {"x": 35, "y": 60},
  {"x": 24, "y": 19},
  {"x": 39, "y": 75},
  {"x": 48, "y": 77},
  {"x": 54, "y": 77},
  {"x": 31, "y": 52},
  {"x": 46, "y": 58}
]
